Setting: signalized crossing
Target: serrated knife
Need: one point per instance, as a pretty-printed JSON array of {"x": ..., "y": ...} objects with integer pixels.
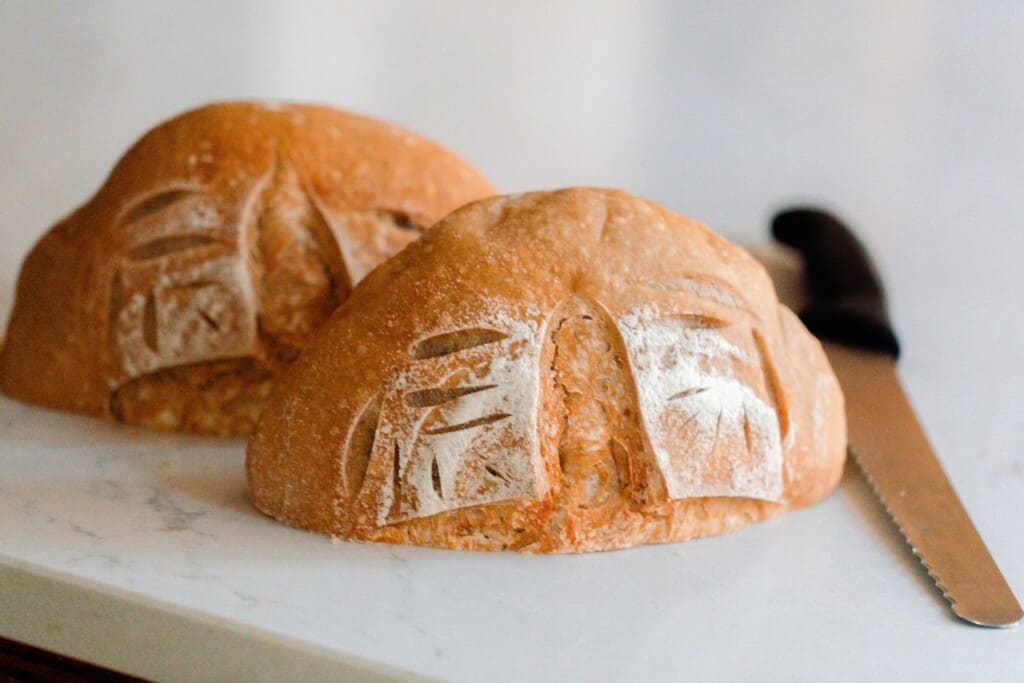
[{"x": 847, "y": 312}]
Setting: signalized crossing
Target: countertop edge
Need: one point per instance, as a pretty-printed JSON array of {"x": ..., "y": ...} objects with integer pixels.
[{"x": 142, "y": 636}]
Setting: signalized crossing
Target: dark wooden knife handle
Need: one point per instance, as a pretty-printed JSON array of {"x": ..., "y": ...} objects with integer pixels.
[{"x": 847, "y": 304}]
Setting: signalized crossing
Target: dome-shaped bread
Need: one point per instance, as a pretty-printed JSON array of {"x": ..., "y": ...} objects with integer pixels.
[
  {"x": 564, "y": 371},
  {"x": 219, "y": 242}
]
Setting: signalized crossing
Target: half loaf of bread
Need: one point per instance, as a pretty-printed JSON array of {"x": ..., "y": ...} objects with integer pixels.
[
  {"x": 219, "y": 243},
  {"x": 555, "y": 372}
]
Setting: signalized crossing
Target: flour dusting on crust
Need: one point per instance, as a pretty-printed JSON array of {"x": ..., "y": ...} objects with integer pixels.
[
  {"x": 711, "y": 434},
  {"x": 459, "y": 421},
  {"x": 183, "y": 294}
]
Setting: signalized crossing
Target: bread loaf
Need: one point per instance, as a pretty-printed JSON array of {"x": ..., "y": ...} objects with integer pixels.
[
  {"x": 218, "y": 244},
  {"x": 556, "y": 372}
]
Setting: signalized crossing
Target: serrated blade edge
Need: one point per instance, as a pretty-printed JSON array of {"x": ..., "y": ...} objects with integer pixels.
[{"x": 891, "y": 448}]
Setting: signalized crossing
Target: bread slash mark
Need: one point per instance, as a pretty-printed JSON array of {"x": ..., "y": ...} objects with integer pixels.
[
  {"x": 686, "y": 393},
  {"x": 479, "y": 422},
  {"x": 396, "y": 484},
  {"x": 149, "y": 324},
  {"x": 494, "y": 472},
  {"x": 360, "y": 446},
  {"x": 153, "y": 204},
  {"x": 435, "y": 478},
  {"x": 453, "y": 342},
  {"x": 209, "y": 321},
  {"x": 169, "y": 245},
  {"x": 426, "y": 398}
]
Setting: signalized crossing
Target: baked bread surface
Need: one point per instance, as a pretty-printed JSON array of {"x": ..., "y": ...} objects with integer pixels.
[
  {"x": 219, "y": 243},
  {"x": 555, "y": 372}
]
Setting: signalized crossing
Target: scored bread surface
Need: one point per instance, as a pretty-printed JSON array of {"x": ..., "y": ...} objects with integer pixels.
[
  {"x": 218, "y": 244},
  {"x": 554, "y": 372}
]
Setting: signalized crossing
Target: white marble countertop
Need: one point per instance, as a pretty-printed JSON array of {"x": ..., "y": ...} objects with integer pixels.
[
  {"x": 165, "y": 519},
  {"x": 139, "y": 550}
]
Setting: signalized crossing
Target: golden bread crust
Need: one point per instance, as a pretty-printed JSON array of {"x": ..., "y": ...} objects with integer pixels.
[
  {"x": 556, "y": 372},
  {"x": 220, "y": 242}
]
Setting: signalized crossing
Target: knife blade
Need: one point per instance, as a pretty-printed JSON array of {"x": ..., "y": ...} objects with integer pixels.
[{"x": 847, "y": 312}]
